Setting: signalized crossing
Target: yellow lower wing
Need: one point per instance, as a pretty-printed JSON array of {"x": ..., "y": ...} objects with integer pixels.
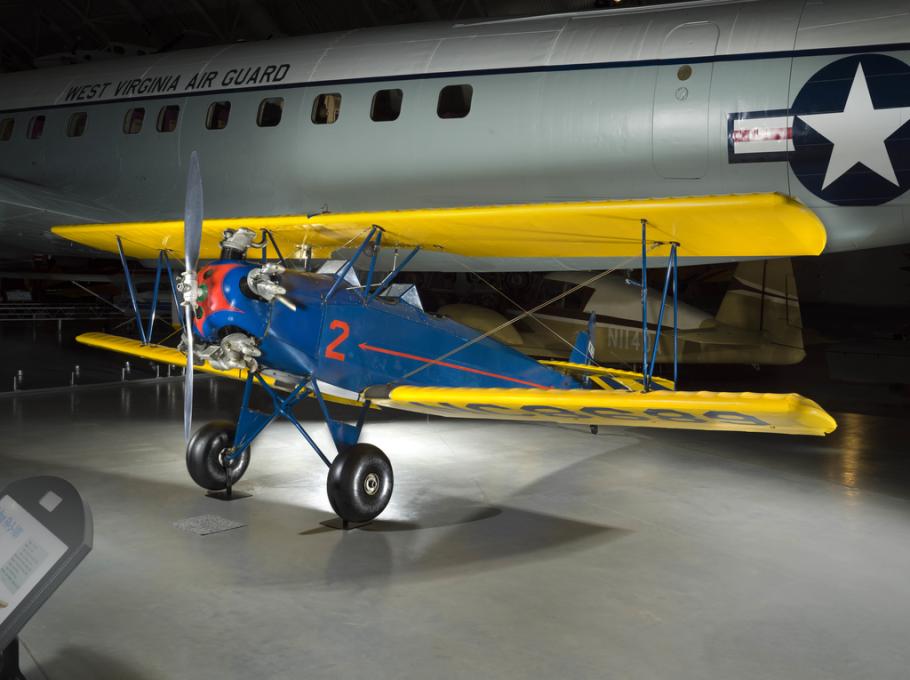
[
  {"x": 742, "y": 225},
  {"x": 743, "y": 412},
  {"x": 170, "y": 355},
  {"x": 746, "y": 412}
]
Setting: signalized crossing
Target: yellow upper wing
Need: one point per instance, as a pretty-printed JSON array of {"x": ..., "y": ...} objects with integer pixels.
[{"x": 759, "y": 225}]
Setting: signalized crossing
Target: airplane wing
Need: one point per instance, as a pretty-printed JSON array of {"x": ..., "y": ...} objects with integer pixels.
[
  {"x": 173, "y": 356},
  {"x": 619, "y": 400},
  {"x": 723, "y": 411},
  {"x": 152, "y": 352},
  {"x": 742, "y": 225},
  {"x": 21, "y": 202}
]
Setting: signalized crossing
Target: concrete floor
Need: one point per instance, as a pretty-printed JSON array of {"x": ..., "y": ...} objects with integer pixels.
[{"x": 508, "y": 551}]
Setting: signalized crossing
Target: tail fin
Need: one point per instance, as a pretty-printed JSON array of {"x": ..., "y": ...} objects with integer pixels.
[
  {"x": 583, "y": 351},
  {"x": 762, "y": 298}
]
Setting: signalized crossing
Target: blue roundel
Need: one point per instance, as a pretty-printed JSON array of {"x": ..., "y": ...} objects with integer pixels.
[{"x": 851, "y": 131}]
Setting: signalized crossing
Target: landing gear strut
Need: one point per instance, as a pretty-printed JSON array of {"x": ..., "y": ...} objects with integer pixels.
[{"x": 360, "y": 478}]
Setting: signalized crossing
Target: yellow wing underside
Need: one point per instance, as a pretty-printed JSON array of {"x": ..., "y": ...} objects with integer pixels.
[{"x": 742, "y": 225}]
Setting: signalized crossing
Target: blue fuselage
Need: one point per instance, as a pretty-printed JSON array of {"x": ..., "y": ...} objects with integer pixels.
[{"x": 353, "y": 343}]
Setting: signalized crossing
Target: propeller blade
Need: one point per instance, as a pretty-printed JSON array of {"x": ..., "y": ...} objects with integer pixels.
[
  {"x": 192, "y": 214},
  {"x": 188, "y": 377},
  {"x": 192, "y": 238}
]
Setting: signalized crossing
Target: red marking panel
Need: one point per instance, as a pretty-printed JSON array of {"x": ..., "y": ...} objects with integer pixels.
[
  {"x": 760, "y": 136},
  {"x": 763, "y": 134},
  {"x": 211, "y": 280}
]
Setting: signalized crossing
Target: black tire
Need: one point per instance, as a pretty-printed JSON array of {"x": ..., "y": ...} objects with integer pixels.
[
  {"x": 203, "y": 456},
  {"x": 360, "y": 483}
]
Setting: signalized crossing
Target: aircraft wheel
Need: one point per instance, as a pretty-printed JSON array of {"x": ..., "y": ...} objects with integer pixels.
[
  {"x": 360, "y": 483},
  {"x": 204, "y": 456}
]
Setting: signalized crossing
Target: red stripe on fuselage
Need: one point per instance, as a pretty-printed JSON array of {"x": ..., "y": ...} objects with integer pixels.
[
  {"x": 369, "y": 348},
  {"x": 762, "y": 135}
]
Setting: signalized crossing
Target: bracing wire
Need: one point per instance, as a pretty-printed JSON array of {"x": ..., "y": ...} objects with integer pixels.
[
  {"x": 533, "y": 317},
  {"x": 521, "y": 316},
  {"x": 104, "y": 300}
]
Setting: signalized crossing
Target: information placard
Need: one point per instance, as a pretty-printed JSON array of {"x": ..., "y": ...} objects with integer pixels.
[
  {"x": 46, "y": 530},
  {"x": 28, "y": 551}
]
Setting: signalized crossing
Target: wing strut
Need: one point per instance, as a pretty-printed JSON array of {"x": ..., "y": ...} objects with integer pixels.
[
  {"x": 163, "y": 265},
  {"x": 647, "y": 363},
  {"x": 341, "y": 273},
  {"x": 387, "y": 281},
  {"x": 373, "y": 243}
]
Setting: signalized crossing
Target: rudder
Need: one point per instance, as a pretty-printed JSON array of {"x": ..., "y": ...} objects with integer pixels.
[
  {"x": 762, "y": 297},
  {"x": 583, "y": 351}
]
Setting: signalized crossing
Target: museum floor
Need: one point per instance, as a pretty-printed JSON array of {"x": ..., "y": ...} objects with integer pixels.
[{"x": 508, "y": 551}]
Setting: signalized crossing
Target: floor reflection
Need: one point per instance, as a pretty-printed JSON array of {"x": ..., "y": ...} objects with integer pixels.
[{"x": 499, "y": 536}]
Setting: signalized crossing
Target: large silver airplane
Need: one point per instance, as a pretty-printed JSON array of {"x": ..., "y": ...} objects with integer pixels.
[
  {"x": 806, "y": 99},
  {"x": 758, "y": 321}
]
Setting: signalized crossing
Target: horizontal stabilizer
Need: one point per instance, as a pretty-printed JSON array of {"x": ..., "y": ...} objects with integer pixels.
[
  {"x": 739, "y": 412},
  {"x": 610, "y": 378},
  {"x": 741, "y": 225},
  {"x": 723, "y": 336}
]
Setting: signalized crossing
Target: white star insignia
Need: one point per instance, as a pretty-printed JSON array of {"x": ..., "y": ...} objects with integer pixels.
[{"x": 859, "y": 133}]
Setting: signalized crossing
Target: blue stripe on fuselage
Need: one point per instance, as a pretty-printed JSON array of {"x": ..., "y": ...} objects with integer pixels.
[{"x": 751, "y": 56}]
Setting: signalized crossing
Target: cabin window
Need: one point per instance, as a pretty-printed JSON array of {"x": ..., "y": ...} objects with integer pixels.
[
  {"x": 167, "y": 118},
  {"x": 270, "y": 112},
  {"x": 454, "y": 101},
  {"x": 217, "y": 117},
  {"x": 6, "y": 129},
  {"x": 35, "y": 127},
  {"x": 327, "y": 108},
  {"x": 75, "y": 126},
  {"x": 132, "y": 121},
  {"x": 386, "y": 105}
]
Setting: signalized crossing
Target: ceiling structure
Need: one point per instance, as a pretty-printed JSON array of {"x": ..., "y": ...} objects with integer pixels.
[{"x": 38, "y": 33}]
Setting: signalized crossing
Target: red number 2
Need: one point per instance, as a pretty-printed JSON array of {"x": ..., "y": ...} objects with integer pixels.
[{"x": 330, "y": 352}]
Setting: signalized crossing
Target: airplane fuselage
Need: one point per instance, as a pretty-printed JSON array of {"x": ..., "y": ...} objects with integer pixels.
[
  {"x": 351, "y": 343},
  {"x": 714, "y": 97}
]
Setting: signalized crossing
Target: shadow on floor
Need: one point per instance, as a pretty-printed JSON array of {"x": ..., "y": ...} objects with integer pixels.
[
  {"x": 79, "y": 663},
  {"x": 450, "y": 534},
  {"x": 435, "y": 520},
  {"x": 489, "y": 539}
]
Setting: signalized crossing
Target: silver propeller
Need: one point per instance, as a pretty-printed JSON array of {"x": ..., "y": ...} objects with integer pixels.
[{"x": 192, "y": 237}]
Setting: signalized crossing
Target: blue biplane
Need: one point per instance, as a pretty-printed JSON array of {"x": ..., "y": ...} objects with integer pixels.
[{"x": 326, "y": 335}]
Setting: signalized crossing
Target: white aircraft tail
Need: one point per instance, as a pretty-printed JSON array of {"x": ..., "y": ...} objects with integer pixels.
[{"x": 762, "y": 298}]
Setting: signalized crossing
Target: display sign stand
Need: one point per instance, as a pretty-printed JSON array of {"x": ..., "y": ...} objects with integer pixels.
[
  {"x": 46, "y": 530},
  {"x": 9, "y": 662}
]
